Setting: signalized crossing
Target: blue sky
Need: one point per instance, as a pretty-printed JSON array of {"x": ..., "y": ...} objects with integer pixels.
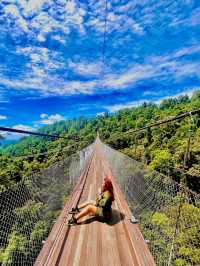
[{"x": 51, "y": 57}]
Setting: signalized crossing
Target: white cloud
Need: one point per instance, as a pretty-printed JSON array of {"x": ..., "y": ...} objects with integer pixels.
[
  {"x": 188, "y": 92},
  {"x": 151, "y": 93},
  {"x": 134, "y": 26},
  {"x": 46, "y": 16},
  {"x": 177, "y": 54},
  {"x": 41, "y": 79},
  {"x": 24, "y": 127},
  {"x": 71, "y": 7},
  {"x": 11, "y": 10},
  {"x": 156, "y": 67},
  {"x": 3, "y": 134},
  {"x": 51, "y": 119},
  {"x": 117, "y": 107},
  {"x": 187, "y": 70},
  {"x": 41, "y": 74},
  {"x": 3, "y": 117},
  {"x": 100, "y": 114},
  {"x": 37, "y": 54},
  {"x": 187, "y": 50},
  {"x": 4, "y": 101},
  {"x": 130, "y": 77},
  {"x": 31, "y": 84},
  {"x": 42, "y": 63},
  {"x": 115, "y": 22},
  {"x": 12, "y": 13},
  {"x": 50, "y": 86},
  {"x": 43, "y": 115},
  {"x": 41, "y": 38},
  {"x": 85, "y": 68},
  {"x": 31, "y": 7},
  {"x": 59, "y": 38},
  {"x": 192, "y": 20},
  {"x": 76, "y": 87},
  {"x": 17, "y": 136}
]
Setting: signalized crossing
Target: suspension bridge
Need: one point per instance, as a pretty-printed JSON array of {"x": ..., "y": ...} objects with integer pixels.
[
  {"x": 92, "y": 242},
  {"x": 168, "y": 215}
]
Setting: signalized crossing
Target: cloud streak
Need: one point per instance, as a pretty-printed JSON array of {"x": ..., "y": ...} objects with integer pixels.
[
  {"x": 3, "y": 117},
  {"x": 155, "y": 67},
  {"x": 116, "y": 107},
  {"x": 50, "y": 119},
  {"x": 55, "y": 49}
]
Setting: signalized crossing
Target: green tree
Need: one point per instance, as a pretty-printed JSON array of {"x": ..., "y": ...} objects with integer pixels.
[
  {"x": 15, "y": 250},
  {"x": 162, "y": 161}
]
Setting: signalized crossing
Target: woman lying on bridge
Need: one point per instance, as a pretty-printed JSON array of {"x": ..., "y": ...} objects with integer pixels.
[{"x": 102, "y": 207}]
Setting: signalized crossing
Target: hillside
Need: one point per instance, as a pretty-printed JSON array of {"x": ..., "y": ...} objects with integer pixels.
[{"x": 161, "y": 148}]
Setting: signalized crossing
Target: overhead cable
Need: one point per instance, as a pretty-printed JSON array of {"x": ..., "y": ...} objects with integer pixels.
[{"x": 14, "y": 130}]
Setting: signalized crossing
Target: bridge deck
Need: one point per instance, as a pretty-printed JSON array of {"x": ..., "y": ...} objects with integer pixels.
[{"x": 91, "y": 242}]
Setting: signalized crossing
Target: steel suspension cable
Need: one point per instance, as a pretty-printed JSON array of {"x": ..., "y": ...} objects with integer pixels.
[
  {"x": 178, "y": 117},
  {"x": 14, "y": 130}
]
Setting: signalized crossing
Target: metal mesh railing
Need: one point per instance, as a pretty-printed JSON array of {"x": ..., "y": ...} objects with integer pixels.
[
  {"x": 29, "y": 209},
  {"x": 168, "y": 212}
]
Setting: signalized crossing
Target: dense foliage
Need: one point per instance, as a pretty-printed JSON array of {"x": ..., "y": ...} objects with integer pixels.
[{"x": 162, "y": 148}]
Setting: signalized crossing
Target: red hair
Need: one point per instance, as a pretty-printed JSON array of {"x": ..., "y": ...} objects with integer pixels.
[{"x": 108, "y": 186}]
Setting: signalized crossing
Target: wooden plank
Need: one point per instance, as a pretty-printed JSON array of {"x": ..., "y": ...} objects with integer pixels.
[
  {"x": 109, "y": 241},
  {"x": 90, "y": 240},
  {"x": 81, "y": 243},
  {"x": 69, "y": 248},
  {"x": 139, "y": 246},
  {"x": 71, "y": 254},
  {"x": 123, "y": 244},
  {"x": 115, "y": 244}
]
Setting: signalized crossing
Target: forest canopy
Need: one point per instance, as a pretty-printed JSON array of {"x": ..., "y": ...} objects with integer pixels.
[
  {"x": 34, "y": 175},
  {"x": 161, "y": 148}
]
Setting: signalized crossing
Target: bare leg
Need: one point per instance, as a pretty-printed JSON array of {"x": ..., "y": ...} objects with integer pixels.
[
  {"x": 90, "y": 209},
  {"x": 86, "y": 203}
]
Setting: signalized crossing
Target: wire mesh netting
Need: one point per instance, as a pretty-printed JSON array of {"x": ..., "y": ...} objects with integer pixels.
[
  {"x": 168, "y": 212},
  {"x": 29, "y": 209}
]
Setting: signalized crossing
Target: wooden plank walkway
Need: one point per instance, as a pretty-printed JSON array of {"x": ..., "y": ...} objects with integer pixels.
[{"x": 91, "y": 242}]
